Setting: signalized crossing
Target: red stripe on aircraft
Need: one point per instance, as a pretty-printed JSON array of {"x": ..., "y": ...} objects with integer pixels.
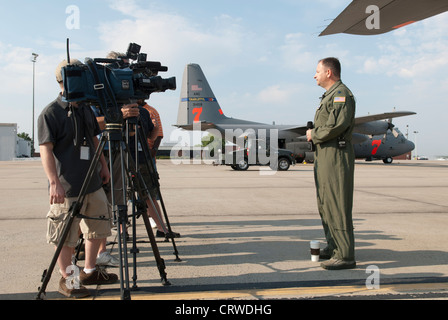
[{"x": 403, "y": 24}]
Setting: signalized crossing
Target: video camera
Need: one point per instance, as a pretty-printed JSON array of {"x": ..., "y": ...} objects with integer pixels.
[{"x": 111, "y": 83}]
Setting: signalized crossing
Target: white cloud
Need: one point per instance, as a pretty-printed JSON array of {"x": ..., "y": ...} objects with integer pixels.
[
  {"x": 415, "y": 51},
  {"x": 274, "y": 94},
  {"x": 176, "y": 40},
  {"x": 296, "y": 54}
]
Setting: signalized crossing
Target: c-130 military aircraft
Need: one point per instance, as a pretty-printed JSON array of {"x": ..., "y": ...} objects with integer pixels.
[{"x": 374, "y": 136}]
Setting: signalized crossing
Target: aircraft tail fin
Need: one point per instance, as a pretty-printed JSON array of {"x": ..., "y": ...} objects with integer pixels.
[{"x": 197, "y": 103}]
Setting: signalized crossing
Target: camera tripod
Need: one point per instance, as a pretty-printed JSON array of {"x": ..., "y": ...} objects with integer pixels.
[{"x": 139, "y": 195}]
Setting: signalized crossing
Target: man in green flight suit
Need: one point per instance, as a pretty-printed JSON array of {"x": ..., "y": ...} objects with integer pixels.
[{"x": 334, "y": 165}]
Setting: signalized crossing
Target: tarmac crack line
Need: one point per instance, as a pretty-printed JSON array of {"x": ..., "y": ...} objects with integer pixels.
[{"x": 402, "y": 198}]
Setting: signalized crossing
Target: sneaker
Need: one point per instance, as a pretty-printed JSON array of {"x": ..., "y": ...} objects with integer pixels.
[
  {"x": 162, "y": 234},
  {"x": 337, "y": 264},
  {"x": 99, "y": 276},
  {"x": 105, "y": 259},
  {"x": 76, "y": 293}
]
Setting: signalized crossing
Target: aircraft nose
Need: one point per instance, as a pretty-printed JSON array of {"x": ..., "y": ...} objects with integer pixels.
[{"x": 410, "y": 145}]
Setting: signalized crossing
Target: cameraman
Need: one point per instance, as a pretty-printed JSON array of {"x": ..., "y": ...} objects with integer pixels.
[{"x": 67, "y": 138}]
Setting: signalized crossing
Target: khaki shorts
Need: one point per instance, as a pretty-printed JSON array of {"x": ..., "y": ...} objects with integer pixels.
[{"x": 95, "y": 206}]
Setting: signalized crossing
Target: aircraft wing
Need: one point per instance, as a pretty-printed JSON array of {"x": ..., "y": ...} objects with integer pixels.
[
  {"x": 382, "y": 116},
  {"x": 301, "y": 130},
  {"x": 393, "y": 14}
]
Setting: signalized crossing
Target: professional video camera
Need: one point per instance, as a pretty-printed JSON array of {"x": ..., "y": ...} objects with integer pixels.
[{"x": 111, "y": 83}]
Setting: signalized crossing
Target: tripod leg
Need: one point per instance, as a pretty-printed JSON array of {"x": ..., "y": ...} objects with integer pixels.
[
  {"x": 170, "y": 235},
  {"x": 121, "y": 212},
  {"x": 160, "y": 262},
  {"x": 79, "y": 248},
  {"x": 134, "y": 249}
]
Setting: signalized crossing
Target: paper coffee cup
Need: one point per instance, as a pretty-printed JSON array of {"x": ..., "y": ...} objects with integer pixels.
[{"x": 315, "y": 250}]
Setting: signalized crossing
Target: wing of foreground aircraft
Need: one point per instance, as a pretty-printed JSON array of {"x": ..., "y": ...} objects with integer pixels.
[{"x": 392, "y": 14}]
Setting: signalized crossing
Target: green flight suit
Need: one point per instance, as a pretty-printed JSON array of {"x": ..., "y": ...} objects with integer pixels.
[{"x": 334, "y": 168}]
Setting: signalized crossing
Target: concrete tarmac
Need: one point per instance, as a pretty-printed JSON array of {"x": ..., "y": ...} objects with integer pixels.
[{"x": 245, "y": 235}]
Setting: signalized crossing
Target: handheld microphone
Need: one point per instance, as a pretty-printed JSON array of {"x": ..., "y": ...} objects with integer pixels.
[{"x": 310, "y": 125}]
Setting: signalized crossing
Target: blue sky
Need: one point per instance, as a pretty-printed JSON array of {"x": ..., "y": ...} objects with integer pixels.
[{"x": 259, "y": 57}]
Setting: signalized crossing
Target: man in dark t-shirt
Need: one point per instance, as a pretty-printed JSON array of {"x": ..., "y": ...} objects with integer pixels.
[
  {"x": 67, "y": 139},
  {"x": 57, "y": 125}
]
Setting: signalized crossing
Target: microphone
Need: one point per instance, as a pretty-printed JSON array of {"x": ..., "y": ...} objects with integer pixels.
[{"x": 310, "y": 125}]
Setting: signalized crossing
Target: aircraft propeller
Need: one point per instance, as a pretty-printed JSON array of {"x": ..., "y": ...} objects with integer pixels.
[{"x": 391, "y": 127}]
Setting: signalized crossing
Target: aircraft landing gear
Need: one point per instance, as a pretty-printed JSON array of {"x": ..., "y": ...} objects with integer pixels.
[{"x": 388, "y": 160}]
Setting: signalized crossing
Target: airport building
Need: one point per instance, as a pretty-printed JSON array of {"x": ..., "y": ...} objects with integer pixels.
[{"x": 12, "y": 146}]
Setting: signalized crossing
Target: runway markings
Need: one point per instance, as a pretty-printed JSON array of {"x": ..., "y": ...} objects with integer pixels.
[{"x": 355, "y": 291}]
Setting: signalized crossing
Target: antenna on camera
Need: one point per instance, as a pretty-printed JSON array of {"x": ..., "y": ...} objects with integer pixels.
[{"x": 68, "y": 50}]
